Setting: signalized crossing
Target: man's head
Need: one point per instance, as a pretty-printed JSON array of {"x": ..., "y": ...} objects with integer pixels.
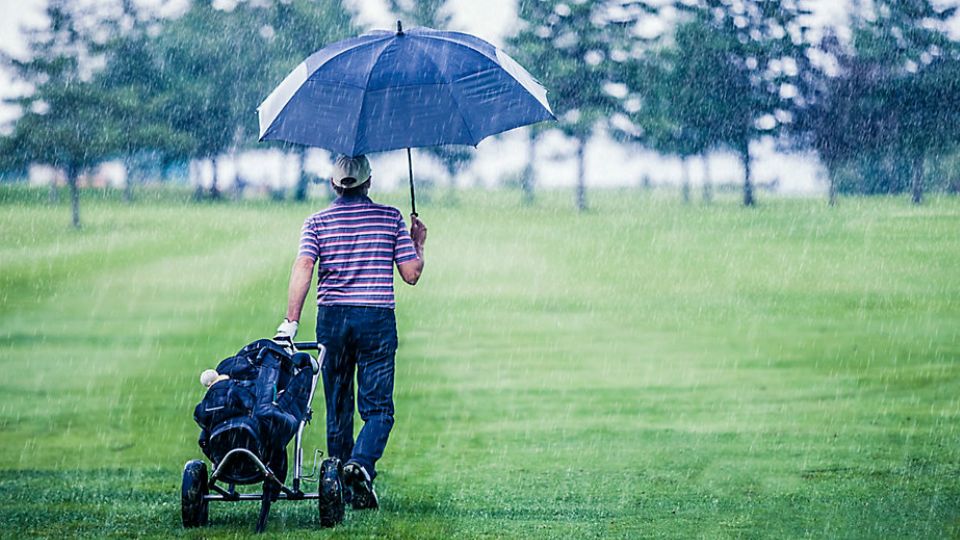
[{"x": 351, "y": 175}]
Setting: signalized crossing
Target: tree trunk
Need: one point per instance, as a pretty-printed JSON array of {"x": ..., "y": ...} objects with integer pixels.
[
  {"x": 164, "y": 172},
  {"x": 527, "y": 178},
  {"x": 214, "y": 188},
  {"x": 128, "y": 185},
  {"x": 72, "y": 174},
  {"x": 748, "y": 199},
  {"x": 581, "y": 174},
  {"x": 707, "y": 182},
  {"x": 54, "y": 196},
  {"x": 300, "y": 194},
  {"x": 238, "y": 181},
  {"x": 685, "y": 180},
  {"x": 833, "y": 187},
  {"x": 917, "y": 181}
]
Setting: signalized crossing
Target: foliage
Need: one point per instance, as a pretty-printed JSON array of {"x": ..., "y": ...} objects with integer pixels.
[
  {"x": 139, "y": 89},
  {"x": 215, "y": 63},
  {"x": 575, "y": 49},
  {"x": 745, "y": 61},
  {"x": 571, "y": 48},
  {"x": 894, "y": 100},
  {"x": 302, "y": 27},
  {"x": 674, "y": 102},
  {"x": 678, "y": 102},
  {"x": 729, "y": 73},
  {"x": 68, "y": 121},
  {"x": 60, "y": 121}
]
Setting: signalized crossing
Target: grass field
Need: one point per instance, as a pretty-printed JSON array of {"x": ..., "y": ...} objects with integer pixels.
[{"x": 643, "y": 370}]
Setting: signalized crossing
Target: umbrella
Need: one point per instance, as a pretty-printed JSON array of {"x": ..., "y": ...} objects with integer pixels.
[{"x": 392, "y": 90}]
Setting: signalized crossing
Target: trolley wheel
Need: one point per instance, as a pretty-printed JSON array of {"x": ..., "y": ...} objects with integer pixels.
[
  {"x": 330, "y": 503},
  {"x": 193, "y": 507}
]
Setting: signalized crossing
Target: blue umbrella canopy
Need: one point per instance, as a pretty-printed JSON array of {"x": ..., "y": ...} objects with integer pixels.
[{"x": 391, "y": 90}]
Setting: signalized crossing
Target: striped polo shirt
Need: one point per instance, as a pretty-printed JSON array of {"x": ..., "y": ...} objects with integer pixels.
[{"x": 357, "y": 243}]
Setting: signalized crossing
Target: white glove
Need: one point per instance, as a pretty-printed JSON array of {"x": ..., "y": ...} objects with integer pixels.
[{"x": 286, "y": 332}]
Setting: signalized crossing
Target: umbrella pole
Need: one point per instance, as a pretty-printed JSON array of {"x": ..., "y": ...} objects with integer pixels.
[{"x": 413, "y": 195}]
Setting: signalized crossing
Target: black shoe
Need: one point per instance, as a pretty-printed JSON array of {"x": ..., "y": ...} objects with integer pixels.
[
  {"x": 358, "y": 483},
  {"x": 330, "y": 502}
]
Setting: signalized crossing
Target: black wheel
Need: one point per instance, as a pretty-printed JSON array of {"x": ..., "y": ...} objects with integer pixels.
[
  {"x": 330, "y": 503},
  {"x": 193, "y": 507}
]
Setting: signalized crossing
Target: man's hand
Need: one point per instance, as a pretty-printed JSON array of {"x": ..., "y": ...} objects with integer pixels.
[
  {"x": 418, "y": 232},
  {"x": 410, "y": 271},
  {"x": 286, "y": 332}
]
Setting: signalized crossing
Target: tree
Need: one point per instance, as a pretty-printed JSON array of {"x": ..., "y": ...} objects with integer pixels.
[
  {"x": 134, "y": 79},
  {"x": 894, "y": 100},
  {"x": 576, "y": 49},
  {"x": 891, "y": 102},
  {"x": 67, "y": 121},
  {"x": 296, "y": 30},
  {"x": 756, "y": 54},
  {"x": 529, "y": 174},
  {"x": 907, "y": 42},
  {"x": 216, "y": 66},
  {"x": 680, "y": 105}
]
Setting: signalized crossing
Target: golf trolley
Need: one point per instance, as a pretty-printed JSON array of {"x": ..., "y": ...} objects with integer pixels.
[{"x": 242, "y": 459}]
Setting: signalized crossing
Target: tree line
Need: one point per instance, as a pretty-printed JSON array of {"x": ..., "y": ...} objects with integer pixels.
[{"x": 878, "y": 105}]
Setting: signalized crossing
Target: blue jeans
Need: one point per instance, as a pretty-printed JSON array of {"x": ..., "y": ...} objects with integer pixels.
[{"x": 361, "y": 339}]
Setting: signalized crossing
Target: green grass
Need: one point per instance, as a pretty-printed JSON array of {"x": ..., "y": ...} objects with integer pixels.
[{"x": 643, "y": 370}]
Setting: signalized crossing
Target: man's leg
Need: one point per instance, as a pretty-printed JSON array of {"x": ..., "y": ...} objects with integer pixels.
[
  {"x": 376, "y": 340},
  {"x": 337, "y": 373}
]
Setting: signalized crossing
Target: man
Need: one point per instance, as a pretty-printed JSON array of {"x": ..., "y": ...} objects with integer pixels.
[{"x": 357, "y": 242}]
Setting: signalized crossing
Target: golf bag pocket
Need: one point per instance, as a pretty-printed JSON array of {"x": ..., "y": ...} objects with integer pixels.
[
  {"x": 223, "y": 401},
  {"x": 238, "y": 368}
]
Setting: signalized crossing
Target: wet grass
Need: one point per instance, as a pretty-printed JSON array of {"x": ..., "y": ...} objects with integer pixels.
[{"x": 643, "y": 370}]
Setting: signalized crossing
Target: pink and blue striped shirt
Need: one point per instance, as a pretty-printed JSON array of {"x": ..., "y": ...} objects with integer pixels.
[{"x": 356, "y": 242}]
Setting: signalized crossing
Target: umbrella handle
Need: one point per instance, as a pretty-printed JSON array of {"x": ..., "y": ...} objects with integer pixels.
[{"x": 413, "y": 195}]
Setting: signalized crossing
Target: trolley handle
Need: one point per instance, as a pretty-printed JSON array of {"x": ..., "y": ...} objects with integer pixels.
[{"x": 307, "y": 346}]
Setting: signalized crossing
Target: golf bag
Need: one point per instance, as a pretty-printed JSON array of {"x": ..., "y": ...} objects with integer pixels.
[{"x": 259, "y": 408}]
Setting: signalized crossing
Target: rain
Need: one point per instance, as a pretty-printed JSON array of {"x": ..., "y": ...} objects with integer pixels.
[{"x": 575, "y": 268}]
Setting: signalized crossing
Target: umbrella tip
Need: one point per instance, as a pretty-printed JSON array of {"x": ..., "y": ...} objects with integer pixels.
[{"x": 399, "y": 28}]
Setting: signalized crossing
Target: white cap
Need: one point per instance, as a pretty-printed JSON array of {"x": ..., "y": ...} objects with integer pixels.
[{"x": 350, "y": 172}]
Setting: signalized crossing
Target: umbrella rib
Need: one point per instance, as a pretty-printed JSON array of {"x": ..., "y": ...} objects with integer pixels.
[
  {"x": 363, "y": 98},
  {"x": 449, "y": 87}
]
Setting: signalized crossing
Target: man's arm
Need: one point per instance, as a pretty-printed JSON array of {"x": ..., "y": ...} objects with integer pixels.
[
  {"x": 300, "y": 278},
  {"x": 410, "y": 271}
]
